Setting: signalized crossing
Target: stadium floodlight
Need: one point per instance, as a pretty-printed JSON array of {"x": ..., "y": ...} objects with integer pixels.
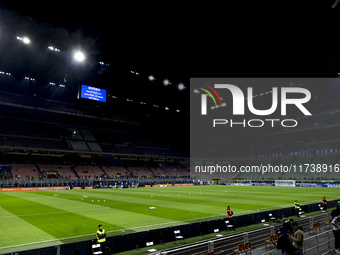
[
  {"x": 53, "y": 48},
  {"x": 152, "y": 78},
  {"x": 79, "y": 56},
  {"x": 166, "y": 82},
  {"x": 181, "y": 86},
  {"x": 26, "y": 40}
]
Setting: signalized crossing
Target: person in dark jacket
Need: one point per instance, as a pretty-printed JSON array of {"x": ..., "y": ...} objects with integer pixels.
[
  {"x": 287, "y": 226},
  {"x": 336, "y": 211},
  {"x": 284, "y": 244}
]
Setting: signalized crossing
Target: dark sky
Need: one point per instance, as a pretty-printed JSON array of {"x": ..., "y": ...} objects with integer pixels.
[
  {"x": 252, "y": 38},
  {"x": 138, "y": 35}
]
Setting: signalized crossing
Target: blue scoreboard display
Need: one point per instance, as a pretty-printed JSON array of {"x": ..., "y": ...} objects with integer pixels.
[{"x": 92, "y": 93}]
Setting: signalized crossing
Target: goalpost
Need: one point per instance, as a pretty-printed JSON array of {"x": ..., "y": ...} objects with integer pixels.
[{"x": 285, "y": 183}]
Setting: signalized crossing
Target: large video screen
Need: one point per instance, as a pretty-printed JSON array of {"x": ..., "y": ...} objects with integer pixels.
[{"x": 92, "y": 93}]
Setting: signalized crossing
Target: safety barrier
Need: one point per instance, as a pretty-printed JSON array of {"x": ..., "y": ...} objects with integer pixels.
[
  {"x": 33, "y": 189},
  {"x": 317, "y": 244},
  {"x": 220, "y": 245}
]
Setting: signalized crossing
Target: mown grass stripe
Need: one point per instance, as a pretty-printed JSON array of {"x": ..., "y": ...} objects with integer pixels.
[
  {"x": 72, "y": 215},
  {"x": 56, "y": 222}
]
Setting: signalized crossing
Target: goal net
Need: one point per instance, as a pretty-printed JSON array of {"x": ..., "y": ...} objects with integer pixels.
[{"x": 285, "y": 183}]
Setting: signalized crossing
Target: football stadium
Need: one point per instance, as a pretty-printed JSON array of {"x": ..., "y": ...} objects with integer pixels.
[{"x": 107, "y": 150}]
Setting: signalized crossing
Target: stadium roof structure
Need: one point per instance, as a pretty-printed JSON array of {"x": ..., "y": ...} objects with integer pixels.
[
  {"x": 124, "y": 46},
  {"x": 285, "y": 38},
  {"x": 39, "y": 45}
]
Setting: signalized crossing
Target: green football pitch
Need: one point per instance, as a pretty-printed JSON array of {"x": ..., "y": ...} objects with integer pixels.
[{"x": 37, "y": 219}]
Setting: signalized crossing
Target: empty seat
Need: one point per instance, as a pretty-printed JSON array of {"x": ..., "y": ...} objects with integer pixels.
[
  {"x": 240, "y": 249},
  {"x": 178, "y": 235}
]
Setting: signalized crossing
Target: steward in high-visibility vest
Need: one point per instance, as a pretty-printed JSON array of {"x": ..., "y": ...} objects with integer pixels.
[
  {"x": 324, "y": 202},
  {"x": 297, "y": 208},
  {"x": 101, "y": 234},
  {"x": 229, "y": 213},
  {"x": 230, "y": 224}
]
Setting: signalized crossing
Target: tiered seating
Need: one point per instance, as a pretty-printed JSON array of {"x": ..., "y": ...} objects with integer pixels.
[
  {"x": 258, "y": 162},
  {"x": 17, "y": 99},
  {"x": 158, "y": 171},
  {"x": 174, "y": 169},
  {"x": 140, "y": 171},
  {"x": 89, "y": 171},
  {"x": 78, "y": 145},
  {"x": 334, "y": 174},
  {"x": 117, "y": 149},
  {"x": 64, "y": 171},
  {"x": 94, "y": 146},
  {"x": 24, "y": 171},
  {"x": 74, "y": 133},
  {"x": 54, "y": 127},
  {"x": 55, "y": 105},
  {"x": 87, "y": 135},
  {"x": 322, "y": 160},
  {"x": 114, "y": 171}
]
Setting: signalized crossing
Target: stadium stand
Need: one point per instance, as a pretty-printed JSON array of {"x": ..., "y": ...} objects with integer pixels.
[
  {"x": 140, "y": 171},
  {"x": 50, "y": 138},
  {"x": 115, "y": 171},
  {"x": 93, "y": 172},
  {"x": 65, "y": 172},
  {"x": 25, "y": 171}
]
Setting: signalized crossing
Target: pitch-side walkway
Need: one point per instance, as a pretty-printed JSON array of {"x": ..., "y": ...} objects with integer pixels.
[{"x": 316, "y": 242}]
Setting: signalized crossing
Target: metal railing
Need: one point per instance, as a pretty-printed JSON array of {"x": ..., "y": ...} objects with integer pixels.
[{"x": 314, "y": 244}]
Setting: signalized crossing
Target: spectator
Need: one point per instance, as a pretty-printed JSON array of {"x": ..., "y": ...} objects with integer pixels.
[
  {"x": 336, "y": 233},
  {"x": 284, "y": 244},
  {"x": 287, "y": 226},
  {"x": 336, "y": 211},
  {"x": 297, "y": 238}
]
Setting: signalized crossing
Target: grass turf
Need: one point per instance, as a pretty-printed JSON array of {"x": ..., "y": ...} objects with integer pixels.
[{"x": 37, "y": 219}]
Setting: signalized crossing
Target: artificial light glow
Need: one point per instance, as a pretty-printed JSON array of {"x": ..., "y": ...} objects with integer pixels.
[
  {"x": 53, "y": 49},
  {"x": 151, "y": 78},
  {"x": 26, "y": 40},
  {"x": 181, "y": 86},
  {"x": 79, "y": 56},
  {"x": 166, "y": 82}
]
